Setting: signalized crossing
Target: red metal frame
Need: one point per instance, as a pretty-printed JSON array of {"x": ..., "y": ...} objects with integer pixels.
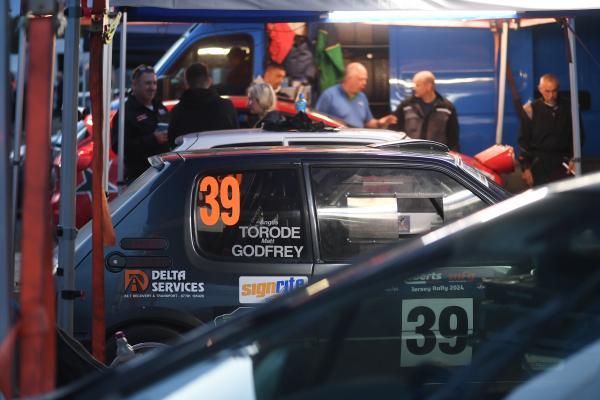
[{"x": 38, "y": 316}]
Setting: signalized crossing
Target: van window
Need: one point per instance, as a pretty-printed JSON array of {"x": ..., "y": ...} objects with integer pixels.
[
  {"x": 251, "y": 216},
  {"x": 361, "y": 208},
  {"x": 228, "y": 58}
]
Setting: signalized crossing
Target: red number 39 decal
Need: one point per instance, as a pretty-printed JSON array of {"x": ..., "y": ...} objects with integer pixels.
[{"x": 222, "y": 199}]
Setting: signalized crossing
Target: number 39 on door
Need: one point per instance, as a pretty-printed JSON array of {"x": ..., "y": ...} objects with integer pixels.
[{"x": 436, "y": 331}]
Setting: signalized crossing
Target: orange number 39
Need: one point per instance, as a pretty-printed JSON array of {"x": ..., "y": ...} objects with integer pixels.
[{"x": 228, "y": 192}]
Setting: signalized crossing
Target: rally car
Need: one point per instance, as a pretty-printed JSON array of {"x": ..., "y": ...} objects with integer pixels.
[
  {"x": 501, "y": 304},
  {"x": 85, "y": 152},
  {"x": 206, "y": 233}
]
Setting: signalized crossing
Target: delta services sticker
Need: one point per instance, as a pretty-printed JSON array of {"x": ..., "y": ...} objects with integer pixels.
[{"x": 160, "y": 284}]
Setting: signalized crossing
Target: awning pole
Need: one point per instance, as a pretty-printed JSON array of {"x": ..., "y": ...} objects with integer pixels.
[
  {"x": 574, "y": 98},
  {"x": 502, "y": 82},
  {"x": 123, "y": 64},
  {"x": 38, "y": 307},
  {"x": 66, "y": 240},
  {"x": 18, "y": 125},
  {"x": 6, "y": 229},
  {"x": 107, "y": 70}
]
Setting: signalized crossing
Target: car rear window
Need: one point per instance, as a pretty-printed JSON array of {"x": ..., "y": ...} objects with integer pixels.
[{"x": 251, "y": 216}]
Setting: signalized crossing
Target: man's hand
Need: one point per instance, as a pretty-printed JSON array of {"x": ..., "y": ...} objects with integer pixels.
[
  {"x": 161, "y": 137},
  {"x": 384, "y": 122},
  {"x": 571, "y": 167},
  {"x": 527, "y": 177}
]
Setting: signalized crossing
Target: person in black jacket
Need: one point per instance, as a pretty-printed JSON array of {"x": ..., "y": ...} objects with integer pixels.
[
  {"x": 545, "y": 136},
  {"x": 200, "y": 107},
  {"x": 428, "y": 115},
  {"x": 143, "y": 113}
]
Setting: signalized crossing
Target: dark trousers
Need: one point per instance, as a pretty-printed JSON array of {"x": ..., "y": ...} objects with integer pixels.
[{"x": 546, "y": 169}]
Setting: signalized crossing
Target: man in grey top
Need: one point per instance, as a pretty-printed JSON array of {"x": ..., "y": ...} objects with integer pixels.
[{"x": 428, "y": 115}]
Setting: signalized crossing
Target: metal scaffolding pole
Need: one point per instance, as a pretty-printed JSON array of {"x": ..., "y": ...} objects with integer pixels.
[
  {"x": 123, "y": 64},
  {"x": 66, "y": 240},
  {"x": 6, "y": 231},
  {"x": 18, "y": 127},
  {"x": 574, "y": 98},
  {"x": 107, "y": 90},
  {"x": 502, "y": 82}
]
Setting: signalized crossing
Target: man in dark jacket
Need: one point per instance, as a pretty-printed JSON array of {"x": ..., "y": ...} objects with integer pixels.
[
  {"x": 200, "y": 107},
  {"x": 143, "y": 137},
  {"x": 427, "y": 115},
  {"x": 545, "y": 137}
]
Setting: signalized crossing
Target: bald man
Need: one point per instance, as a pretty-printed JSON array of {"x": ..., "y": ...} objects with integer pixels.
[
  {"x": 545, "y": 137},
  {"x": 347, "y": 102},
  {"x": 428, "y": 115}
]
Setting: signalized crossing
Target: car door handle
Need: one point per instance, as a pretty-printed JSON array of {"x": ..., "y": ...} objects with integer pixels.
[{"x": 116, "y": 262}]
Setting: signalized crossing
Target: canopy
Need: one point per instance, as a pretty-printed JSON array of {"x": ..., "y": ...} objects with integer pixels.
[
  {"x": 365, "y": 5},
  {"x": 286, "y": 10}
]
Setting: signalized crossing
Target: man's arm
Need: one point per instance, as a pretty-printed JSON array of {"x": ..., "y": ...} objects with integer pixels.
[
  {"x": 399, "y": 124},
  {"x": 452, "y": 131},
  {"x": 382, "y": 122},
  {"x": 524, "y": 140},
  {"x": 230, "y": 117},
  {"x": 174, "y": 128}
]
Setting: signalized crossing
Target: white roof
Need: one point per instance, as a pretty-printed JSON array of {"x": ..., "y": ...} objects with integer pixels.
[{"x": 258, "y": 137}]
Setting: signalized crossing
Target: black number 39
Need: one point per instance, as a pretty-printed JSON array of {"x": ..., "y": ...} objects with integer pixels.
[{"x": 429, "y": 340}]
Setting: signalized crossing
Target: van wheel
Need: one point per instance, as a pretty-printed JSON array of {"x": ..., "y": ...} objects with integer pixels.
[{"x": 143, "y": 338}]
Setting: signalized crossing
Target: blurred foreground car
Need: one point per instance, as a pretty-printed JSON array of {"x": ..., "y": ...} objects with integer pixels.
[
  {"x": 202, "y": 234},
  {"x": 472, "y": 310},
  {"x": 488, "y": 166}
]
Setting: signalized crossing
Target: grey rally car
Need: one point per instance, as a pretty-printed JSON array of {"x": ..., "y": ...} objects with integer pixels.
[{"x": 206, "y": 234}]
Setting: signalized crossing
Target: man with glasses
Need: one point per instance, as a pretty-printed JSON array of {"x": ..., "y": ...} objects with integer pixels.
[{"x": 144, "y": 136}]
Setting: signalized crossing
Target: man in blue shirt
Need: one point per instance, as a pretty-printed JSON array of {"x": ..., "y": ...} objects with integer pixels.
[{"x": 347, "y": 102}]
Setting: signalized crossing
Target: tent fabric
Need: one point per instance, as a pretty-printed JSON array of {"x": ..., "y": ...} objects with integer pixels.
[
  {"x": 329, "y": 59},
  {"x": 281, "y": 41},
  {"x": 157, "y": 14},
  {"x": 365, "y": 5}
]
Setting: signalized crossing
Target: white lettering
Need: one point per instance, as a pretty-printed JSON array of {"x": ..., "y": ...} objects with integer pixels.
[
  {"x": 270, "y": 232},
  {"x": 298, "y": 250},
  {"x": 258, "y": 250},
  {"x": 237, "y": 250},
  {"x": 253, "y": 232}
]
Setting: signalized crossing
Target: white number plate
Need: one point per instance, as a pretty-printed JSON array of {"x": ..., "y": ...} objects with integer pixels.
[{"x": 436, "y": 331}]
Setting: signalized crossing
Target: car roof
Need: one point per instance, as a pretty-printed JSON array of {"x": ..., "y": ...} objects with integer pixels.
[
  {"x": 222, "y": 138},
  {"x": 328, "y": 151}
]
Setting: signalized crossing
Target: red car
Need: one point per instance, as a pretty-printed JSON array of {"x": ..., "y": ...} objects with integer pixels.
[{"x": 85, "y": 152}]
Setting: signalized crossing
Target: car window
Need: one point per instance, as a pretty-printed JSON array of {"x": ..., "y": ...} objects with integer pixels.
[
  {"x": 230, "y": 75},
  {"x": 251, "y": 216},
  {"x": 361, "y": 208}
]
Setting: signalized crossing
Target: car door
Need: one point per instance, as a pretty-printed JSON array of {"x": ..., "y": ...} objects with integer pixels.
[
  {"x": 249, "y": 232},
  {"x": 359, "y": 207}
]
